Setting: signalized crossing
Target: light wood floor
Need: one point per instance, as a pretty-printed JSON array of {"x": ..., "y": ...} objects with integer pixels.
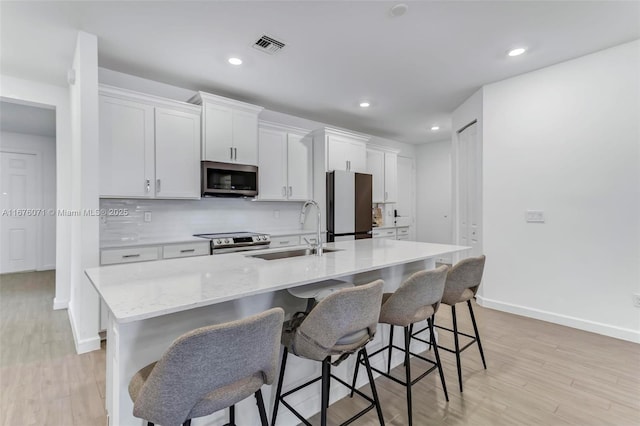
[{"x": 538, "y": 373}]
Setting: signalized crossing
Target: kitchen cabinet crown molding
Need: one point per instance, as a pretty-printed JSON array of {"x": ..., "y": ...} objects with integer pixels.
[
  {"x": 201, "y": 97},
  {"x": 344, "y": 133},
  {"x": 383, "y": 148},
  {"x": 271, "y": 125},
  {"x": 153, "y": 100}
]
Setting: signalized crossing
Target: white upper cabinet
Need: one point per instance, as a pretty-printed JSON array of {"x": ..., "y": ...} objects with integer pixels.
[
  {"x": 390, "y": 177},
  {"x": 126, "y": 148},
  {"x": 346, "y": 151},
  {"x": 383, "y": 165},
  {"x": 285, "y": 163},
  {"x": 149, "y": 146},
  {"x": 375, "y": 166},
  {"x": 177, "y": 154},
  {"x": 229, "y": 129}
]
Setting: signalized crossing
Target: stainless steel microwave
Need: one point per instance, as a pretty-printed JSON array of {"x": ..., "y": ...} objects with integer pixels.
[{"x": 229, "y": 180}]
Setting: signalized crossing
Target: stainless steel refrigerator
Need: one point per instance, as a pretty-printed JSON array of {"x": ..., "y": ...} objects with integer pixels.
[{"x": 349, "y": 202}]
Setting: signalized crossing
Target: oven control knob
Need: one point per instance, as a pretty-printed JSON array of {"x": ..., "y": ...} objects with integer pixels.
[
  {"x": 217, "y": 242},
  {"x": 226, "y": 241}
]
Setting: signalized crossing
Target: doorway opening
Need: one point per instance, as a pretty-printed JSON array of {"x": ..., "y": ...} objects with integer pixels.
[{"x": 27, "y": 187}]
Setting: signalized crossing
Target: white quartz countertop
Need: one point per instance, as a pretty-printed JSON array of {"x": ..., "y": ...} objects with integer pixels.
[{"x": 137, "y": 291}]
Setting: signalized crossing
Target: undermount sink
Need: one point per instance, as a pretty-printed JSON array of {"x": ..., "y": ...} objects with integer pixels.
[{"x": 290, "y": 253}]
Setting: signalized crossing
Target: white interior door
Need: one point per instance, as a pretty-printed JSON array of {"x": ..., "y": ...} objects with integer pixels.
[
  {"x": 19, "y": 204},
  {"x": 469, "y": 190}
]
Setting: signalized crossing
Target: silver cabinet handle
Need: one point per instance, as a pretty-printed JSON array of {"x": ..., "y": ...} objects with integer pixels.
[
  {"x": 284, "y": 191},
  {"x": 230, "y": 153},
  {"x": 386, "y": 195},
  {"x": 148, "y": 181},
  {"x": 235, "y": 153},
  {"x": 290, "y": 191},
  {"x": 157, "y": 185},
  {"x": 128, "y": 256},
  {"x": 285, "y": 242},
  {"x": 187, "y": 251}
]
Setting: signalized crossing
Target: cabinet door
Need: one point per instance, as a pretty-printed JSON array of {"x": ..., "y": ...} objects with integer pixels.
[
  {"x": 375, "y": 166},
  {"x": 272, "y": 165},
  {"x": 391, "y": 177},
  {"x": 299, "y": 160},
  {"x": 338, "y": 153},
  {"x": 126, "y": 148},
  {"x": 245, "y": 138},
  {"x": 358, "y": 157},
  {"x": 217, "y": 133},
  {"x": 177, "y": 154}
]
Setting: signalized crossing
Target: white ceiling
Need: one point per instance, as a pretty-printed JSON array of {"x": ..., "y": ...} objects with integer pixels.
[
  {"x": 18, "y": 118},
  {"x": 415, "y": 69}
]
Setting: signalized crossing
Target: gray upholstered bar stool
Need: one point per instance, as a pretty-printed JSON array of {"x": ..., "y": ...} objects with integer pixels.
[
  {"x": 339, "y": 325},
  {"x": 417, "y": 299},
  {"x": 463, "y": 281},
  {"x": 210, "y": 369}
]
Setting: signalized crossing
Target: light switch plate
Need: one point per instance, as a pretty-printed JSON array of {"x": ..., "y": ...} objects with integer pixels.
[
  {"x": 636, "y": 300},
  {"x": 534, "y": 216},
  {"x": 147, "y": 216}
]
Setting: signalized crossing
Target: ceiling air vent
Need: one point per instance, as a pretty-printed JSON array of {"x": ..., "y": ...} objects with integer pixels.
[{"x": 268, "y": 44}]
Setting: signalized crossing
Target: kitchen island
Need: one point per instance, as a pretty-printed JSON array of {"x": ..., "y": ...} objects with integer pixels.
[{"x": 152, "y": 303}]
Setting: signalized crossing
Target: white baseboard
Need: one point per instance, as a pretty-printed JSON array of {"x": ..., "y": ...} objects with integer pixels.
[
  {"x": 84, "y": 345},
  {"x": 47, "y": 267},
  {"x": 60, "y": 303},
  {"x": 579, "y": 323}
]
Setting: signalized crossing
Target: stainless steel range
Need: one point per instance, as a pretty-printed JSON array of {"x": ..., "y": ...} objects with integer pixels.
[{"x": 228, "y": 242}]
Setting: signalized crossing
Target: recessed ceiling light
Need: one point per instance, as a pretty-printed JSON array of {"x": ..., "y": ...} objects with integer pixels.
[
  {"x": 517, "y": 52},
  {"x": 365, "y": 104},
  {"x": 398, "y": 10},
  {"x": 434, "y": 128},
  {"x": 235, "y": 61}
]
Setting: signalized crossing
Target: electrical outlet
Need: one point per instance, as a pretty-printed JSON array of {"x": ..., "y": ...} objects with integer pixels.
[
  {"x": 534, "y": 216},
  {"x": 276, "y": 214},
  {"x": 147, "y": 216},
  {"x": 636, "y": 300}
]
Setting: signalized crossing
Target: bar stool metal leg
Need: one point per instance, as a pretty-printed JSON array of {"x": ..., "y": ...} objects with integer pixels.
[
  {"x": 283, "y": 364},
  {"x": 374, "y": 392},
  {"x": 432, "y": 338},
  {"x": 390, "y": 349},
  {"x": 355, "y": 374},
  {"x": 475, "y": 329},
  {"x": 326, "y": 377},
  {"x": 261, "y": 409},
  {"x": 407, "y": 369},
  {"x": 457, "y": 344}
]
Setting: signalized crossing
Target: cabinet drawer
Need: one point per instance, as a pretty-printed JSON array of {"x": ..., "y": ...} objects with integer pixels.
[
  {"x": 403, "y": 232},
  {"x": 185, "y": 250},
  {"x": 292, "y": 240},
  {"x": 402, "y": 237},
  {"x": 128, "y": 255},
  {"x": 384, "y": 233}
]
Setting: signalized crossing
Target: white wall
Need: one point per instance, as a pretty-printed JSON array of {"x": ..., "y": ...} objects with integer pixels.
[
  {"x": 84, "y": 304},
  {"x": 45, "y": 148},
  {"x": 566, "y": 140},
  {"x": 40, "y": 94},
  {"x": 434, "y": 192}
]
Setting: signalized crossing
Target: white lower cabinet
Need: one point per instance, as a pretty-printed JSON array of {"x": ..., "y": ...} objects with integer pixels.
[
  {"x": 129, "y": 254},
  {"x": 285, "y": 241},
  {"x": 387, "y": 233},
  {"x": 284, "y": 163},
  {"x": 171, "y": 251},
  {"x": 402, "y": 233}
]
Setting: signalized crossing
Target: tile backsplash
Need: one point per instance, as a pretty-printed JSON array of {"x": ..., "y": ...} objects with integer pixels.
[{"x": 182, "y": 218}]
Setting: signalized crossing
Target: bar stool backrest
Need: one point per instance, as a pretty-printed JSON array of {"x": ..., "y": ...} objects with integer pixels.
[
  {"x": 417, "y": 298},
  {"x": 351, "y": 312},
  {"x": 209, "y": 358},
  {"x": 466, "y": 274}
]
